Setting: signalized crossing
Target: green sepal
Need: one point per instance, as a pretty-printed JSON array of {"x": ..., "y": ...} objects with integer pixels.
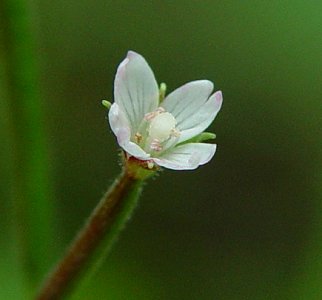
[
  {"x": 138, "y": 169},
  {"x": 162, "y": 91},
  {"x": 106, "y": 104},
  {"x": 204, "y": 136}
]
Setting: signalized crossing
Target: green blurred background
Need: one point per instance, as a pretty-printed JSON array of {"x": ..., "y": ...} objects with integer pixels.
[{"x": 245, "y": 226}]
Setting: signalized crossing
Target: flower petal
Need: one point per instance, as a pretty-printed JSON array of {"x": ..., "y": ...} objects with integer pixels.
[
  {"x": 201, "y": 118},
  {"x": 117, "y": 119},
  {"x": 187, "y": 157},
  {"x": 120, "y": 126},
  {"x": 184, "y": 101},
  {"x": 135, "y": 89},
  {"x": 135, "y": 150}
]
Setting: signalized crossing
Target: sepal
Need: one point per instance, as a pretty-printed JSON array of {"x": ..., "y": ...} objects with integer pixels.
[{"x": 202, "y": 137}]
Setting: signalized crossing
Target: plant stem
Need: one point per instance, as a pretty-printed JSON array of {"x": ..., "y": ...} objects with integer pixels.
[
  {"x": 96, "y": 237},
  {"x": 32, "y": 203}
]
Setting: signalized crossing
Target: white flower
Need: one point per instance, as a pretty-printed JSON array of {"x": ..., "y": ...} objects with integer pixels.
[{"x": 156, "y": 132}]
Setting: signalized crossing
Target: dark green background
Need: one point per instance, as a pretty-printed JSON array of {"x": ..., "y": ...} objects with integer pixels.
[{"x": 248, "y": 224}]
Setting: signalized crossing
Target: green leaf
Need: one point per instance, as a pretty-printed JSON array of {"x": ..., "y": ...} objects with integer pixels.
[{"x": 30, "y": 187}]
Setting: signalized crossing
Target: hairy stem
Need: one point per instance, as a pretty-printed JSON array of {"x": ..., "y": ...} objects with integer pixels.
[{"x": 95, "y": 238}]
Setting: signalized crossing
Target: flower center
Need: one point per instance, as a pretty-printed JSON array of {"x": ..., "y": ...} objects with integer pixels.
[
  {"x": 157, "y": 131},
  {"x": 162, "y": 126}
]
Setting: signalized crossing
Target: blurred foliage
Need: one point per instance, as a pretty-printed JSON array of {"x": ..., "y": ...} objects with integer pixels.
[{"x": 247, "y": 225}]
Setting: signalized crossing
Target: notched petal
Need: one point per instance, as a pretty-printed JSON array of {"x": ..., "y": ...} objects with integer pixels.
[
  {"x": 185, "y": 100},
  {"x": 201, "y": 118},
  {"x": 121, "y": 129},
  {"x": 135, "y": 88}
]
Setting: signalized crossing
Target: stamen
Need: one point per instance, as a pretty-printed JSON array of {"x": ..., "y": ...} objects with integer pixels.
[
  {"x": 150, "y": 164},
  {"x": 151, "y": 115},
  {"x": 160, "y": 110},
  {"x": 156, "y": 145},
  {"x": 175, "y": 132},
  {"x": 138, "y": 137}
]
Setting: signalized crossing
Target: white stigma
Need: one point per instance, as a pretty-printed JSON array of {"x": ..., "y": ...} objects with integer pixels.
[{"x": 162, "y": 126}]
